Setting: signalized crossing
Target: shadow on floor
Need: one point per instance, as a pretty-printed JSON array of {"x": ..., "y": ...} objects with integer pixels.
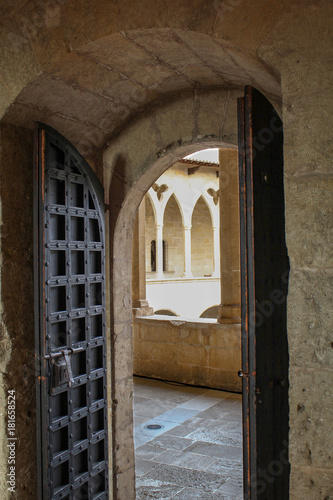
[{"x": 194, "y": 449}]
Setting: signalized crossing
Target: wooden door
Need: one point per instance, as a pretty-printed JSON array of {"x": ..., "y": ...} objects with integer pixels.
[
  {"x": 264, "y": 283},
  {"x": 70, "y": 322}
]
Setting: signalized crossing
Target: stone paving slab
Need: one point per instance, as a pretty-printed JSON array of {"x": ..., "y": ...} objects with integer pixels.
[
  {"x": 142, "y": 467},
  {"x": 172, "y": 442},
  {"x": 148, "y": 451},
  {"x": 215, "y": 450},
  {"x": 193, "y": 493},
  {"x": 187, "y": 427},
  {"x": 232, "y": 488},
  {"x": 187, "y": 460},
  {"x": 138, "y": 400},
  {"x": 207, "y": 481},
  {"x": 139, "y": 420},
  {"x": 201, "y": 403},
  {"x": 216, "y": 412},
  {"x": 233, "y": 417},
  {"x": 214, "y": 432},
  {"x": 233, "y": 468},
  {"x": 198, "y": 454},
  {"x": 155, "y": 490},
  {"x": 152, "y": 411},
  {"x": 178, "y": 414}
]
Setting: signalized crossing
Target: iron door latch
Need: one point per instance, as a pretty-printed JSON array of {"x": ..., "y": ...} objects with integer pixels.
[{"x": 61, "y": 369}]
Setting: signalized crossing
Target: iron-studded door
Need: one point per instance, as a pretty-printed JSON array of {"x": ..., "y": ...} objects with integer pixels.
[
  {"x": 264, "y": 275},
  {"x": 70, "y": 322}
]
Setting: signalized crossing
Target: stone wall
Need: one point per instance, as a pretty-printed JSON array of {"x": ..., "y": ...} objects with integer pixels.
[
  {"x": 17, "y": 345},
  {"x": 200, "y": 352}
]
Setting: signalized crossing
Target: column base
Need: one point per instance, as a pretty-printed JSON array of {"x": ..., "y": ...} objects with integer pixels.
[
  {"x": 141, "y": 308},
  {"x": 229, "y": 314}
]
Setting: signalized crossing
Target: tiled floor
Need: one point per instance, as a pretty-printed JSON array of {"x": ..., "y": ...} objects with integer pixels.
[{"x": 197, "y": 454}]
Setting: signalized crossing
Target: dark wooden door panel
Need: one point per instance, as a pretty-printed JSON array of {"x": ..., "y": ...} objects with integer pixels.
[
  {"x": 264, "y": 271},
  {"x": 70, "y": 336}
]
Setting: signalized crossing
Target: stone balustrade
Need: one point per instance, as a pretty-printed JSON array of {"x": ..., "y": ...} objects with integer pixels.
[{"x": 196, "y": 352}]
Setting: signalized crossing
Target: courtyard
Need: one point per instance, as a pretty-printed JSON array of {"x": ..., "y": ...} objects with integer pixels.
[{"x": 188, "y": 442}]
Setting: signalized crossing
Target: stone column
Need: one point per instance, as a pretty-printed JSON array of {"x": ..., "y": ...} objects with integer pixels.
[
  {"x": 187, "y": 252},
  {"x": 159, "y": 251},
  {"x": 139, "y": 302},
  {"x": 230, "y": 308},
  {"x": 216, "y": 236}
]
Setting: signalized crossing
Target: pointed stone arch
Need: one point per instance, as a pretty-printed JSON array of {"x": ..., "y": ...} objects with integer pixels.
[
  {"x": 202, "y": 239},
  {"x": 173, "y": 221}
]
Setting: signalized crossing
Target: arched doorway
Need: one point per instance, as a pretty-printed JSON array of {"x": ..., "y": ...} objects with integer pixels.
[
  {"x": 207, "y": 120},
  {"x": 147, "y": 178},
  {"x": 144, "y": 61}
]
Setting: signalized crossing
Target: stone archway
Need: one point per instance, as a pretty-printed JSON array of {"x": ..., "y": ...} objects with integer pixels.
[
  {"x": 130, "y": 175},
  {"x": 158, "y": 131},
  {"x": 285, "y": 42}
]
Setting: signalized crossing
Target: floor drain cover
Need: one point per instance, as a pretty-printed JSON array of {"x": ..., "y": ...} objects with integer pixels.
[{"x": 154, "y": 427}]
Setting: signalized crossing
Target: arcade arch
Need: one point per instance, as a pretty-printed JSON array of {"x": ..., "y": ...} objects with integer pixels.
[{"x": 202, "y": 244}]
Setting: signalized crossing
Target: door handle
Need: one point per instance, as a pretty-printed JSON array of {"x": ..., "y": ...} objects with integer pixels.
[
  {"x": 61, "y": 370},
  {"x": 69, "y": 368}
]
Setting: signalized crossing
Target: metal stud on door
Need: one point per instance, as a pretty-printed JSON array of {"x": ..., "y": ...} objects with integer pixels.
[{"x": 70, "y": 337}]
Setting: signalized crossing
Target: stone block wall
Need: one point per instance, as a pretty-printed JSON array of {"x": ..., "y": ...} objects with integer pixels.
[
  {"x": 17, "y": 345},
  {"x": 201, "y": 352}
]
